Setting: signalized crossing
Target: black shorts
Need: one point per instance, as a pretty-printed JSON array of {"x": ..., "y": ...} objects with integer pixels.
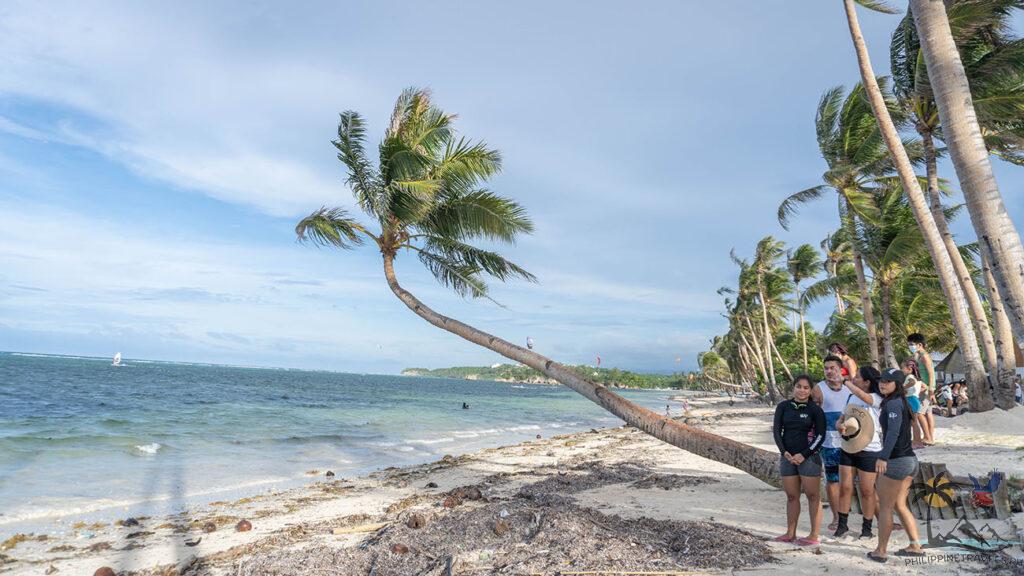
[{"x": 863, "y": 460}]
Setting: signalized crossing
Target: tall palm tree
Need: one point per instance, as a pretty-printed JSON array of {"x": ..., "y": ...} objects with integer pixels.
[
  {"x": 1000, "y": 241},
  {"x": 995, "y": 66},
  {"x": 803, "y": 264},
  {"x": 858, "y": 163},
  {"x": 424, "y": 196},
  {"x": 981, "y": 398},
  {"x": 890, "y": 248},
  {"x": 840, "y": 278}
]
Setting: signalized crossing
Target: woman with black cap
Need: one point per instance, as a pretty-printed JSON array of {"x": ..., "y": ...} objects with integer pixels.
[{"x": 896, "y": 466}]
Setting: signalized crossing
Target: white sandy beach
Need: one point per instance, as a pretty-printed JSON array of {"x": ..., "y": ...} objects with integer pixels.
[{"x": 614, "y": 477}]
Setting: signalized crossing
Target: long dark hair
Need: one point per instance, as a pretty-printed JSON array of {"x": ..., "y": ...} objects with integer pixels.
[
  {"x": 898, "y": 392},
  {"x": 871, "y": 374}
]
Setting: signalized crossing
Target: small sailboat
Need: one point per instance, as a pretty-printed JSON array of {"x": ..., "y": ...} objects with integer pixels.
[{"x": 117, "y": 360}]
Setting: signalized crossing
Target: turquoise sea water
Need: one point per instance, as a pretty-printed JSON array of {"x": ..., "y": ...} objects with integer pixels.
[{"x": 80, "y": 438}]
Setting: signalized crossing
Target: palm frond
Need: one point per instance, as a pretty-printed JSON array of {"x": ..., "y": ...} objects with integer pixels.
[
  {"x": 330, "y": 227},
  {"x": 478, "y": 214},
  {"x": 471, "y": 257},
  {"x": 462, "y": 279},
  {"x": 788, "y": 207},
  {"x": 878, "y": 6},
  {"x": 362, "y": 178}
]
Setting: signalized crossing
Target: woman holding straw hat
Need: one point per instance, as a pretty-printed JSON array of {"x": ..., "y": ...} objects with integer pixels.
[
  {"x": 799, "y": 431},
  {"x": 861, "y": 445}
]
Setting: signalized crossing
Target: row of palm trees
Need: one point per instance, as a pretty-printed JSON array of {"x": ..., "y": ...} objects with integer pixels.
[
  {"x": 873, "y": 139},
  {"x": 425, "y": 195}
]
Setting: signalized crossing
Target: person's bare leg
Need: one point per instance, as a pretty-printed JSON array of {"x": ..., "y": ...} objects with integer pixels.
[
  {"x": 791, "y": 485},
  {"x": 868, "y": 494},
  {"x": 906, "y": 517},
  {"x": 812, "y": 488},
  {"x": 888, "y": 489},
  {"x": 929, "y": 428},
  {"x": 832, "y": 489},
  {"x": 842, "y": 506},
  {"x": 917, "y": 431}
]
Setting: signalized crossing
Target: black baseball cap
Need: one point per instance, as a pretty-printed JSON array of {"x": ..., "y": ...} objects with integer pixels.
[{"x": 893, "y": 375}]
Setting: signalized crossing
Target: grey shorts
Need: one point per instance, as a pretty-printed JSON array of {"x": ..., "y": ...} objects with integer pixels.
[
  {"x": 811, "y": 467},
  {"x": 900, "y": 468}
]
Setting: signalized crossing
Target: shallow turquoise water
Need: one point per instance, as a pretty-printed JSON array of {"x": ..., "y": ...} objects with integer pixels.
[{"x": 80, "y": 438}]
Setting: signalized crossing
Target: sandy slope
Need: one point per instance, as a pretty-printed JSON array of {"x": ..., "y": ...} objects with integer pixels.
[{"x": 290, "y": 524}]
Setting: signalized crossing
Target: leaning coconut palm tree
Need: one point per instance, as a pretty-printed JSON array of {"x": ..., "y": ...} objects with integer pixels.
[
  {"x": 994, "y": 64},
  {"x": 999, "y": 238},
  {"x": 981, "y": 398},
  {"x": 424, "y": 197}
]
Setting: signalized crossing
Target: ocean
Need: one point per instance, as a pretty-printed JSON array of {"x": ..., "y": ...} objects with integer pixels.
[{"x": 81, "y": 439}]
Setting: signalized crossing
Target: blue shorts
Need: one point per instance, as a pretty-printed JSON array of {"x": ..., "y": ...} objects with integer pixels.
[
  {"x": 915, "y": 404},
  {"x": 830, "y": 458}
]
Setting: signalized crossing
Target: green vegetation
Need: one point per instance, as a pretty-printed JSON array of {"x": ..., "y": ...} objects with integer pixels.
[{"x": 611, "y": 377}]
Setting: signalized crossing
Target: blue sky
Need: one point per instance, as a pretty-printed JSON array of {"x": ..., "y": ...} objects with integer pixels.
[{"x": 154, "y": 159}]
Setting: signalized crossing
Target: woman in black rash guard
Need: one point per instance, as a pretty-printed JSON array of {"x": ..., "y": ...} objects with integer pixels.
[
  {"x": 799, "y": 431},
  {"x": 896, "y": 466}
]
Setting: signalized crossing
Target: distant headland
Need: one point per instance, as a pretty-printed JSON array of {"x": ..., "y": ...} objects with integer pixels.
[{"x": 610, "y": 377}]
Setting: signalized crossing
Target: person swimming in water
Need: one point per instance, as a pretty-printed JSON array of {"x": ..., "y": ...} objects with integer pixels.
[{"x": 465, "y": 406}]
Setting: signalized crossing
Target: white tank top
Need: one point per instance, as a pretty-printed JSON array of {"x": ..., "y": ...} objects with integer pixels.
[{"x": 833, "y": 403}]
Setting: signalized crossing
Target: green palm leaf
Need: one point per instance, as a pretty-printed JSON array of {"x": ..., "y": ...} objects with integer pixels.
[{"x": 330, "y": 227}]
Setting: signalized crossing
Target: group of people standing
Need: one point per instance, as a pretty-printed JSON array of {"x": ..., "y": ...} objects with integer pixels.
[{"x": 857, "y": 423}]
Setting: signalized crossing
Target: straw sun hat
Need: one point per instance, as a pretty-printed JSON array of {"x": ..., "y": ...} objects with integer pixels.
[{"x": 860, "y": 428}]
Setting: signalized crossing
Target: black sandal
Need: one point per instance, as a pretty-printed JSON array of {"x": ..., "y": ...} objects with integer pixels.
[{"x": 879, "y": 559}]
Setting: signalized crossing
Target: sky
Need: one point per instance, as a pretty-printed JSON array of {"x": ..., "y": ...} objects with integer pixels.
[{"x": 155, "y": 157}]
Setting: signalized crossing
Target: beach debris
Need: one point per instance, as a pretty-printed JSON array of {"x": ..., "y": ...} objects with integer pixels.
[
  {"x": 329, "y": 474},
  {"x": 416, "y": 521},
  {"x": 467, "y": 493},
  {"x": 538, "y": 436},
  {"x": 104, "y": 571},
  {"x": 360, "y": 528},
  {"x": 243, "y": 526},
  {"x": 130, "y": 522},
  {"x": 194, "y": 542},
  {"x": 209, "y": 527},
  {"x": 503, "y": 513},
  {"x": 139, "y": 534},
  {"x": 451, "y": 502},
  {"x": 501, "y": 527},
  {"x": 431, "y": 485},
  {"x": 51, "y": 570},
  {"x": 399, "y": 549},
  {"x": 100, "y": 546},
  {"x": 14, "y": 541},
  {"x": 447, "y": 458}
]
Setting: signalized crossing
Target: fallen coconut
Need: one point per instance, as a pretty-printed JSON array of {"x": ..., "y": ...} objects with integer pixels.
[
  {"x": 416, "y": 521},
  {"x": 104, "y": 571},
  {"x": 243, "y": 526}
]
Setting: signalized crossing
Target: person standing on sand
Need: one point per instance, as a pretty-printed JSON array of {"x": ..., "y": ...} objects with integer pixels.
[
  {"x": 832, "y": 396},
  {"x": 895, "y": 467},
  {"x": 864, "y": 394},
  {"x": 912, "y": 388},
  {"x": 919, "y": 351},
  {"x": 799, "y": 430}
]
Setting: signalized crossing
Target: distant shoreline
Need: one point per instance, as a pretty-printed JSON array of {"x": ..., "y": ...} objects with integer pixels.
[{"x": 517, "y": 374}]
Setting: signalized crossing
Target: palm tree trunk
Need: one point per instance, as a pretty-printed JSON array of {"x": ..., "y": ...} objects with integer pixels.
[
  {"x": 981, "y": 398},
  {"x": 867, "y": 307},
  {"x": 769, "y": 378},
  {"x": 767, "y": 334},
  {"x": 782, "y": 361},
  {"x": 996, "y": 232},
  {"x": 890, "y": 355},
  {"x": 803, "y": 338},
  {"x": 757, "y": 462},
  {"x": 974, "y": 305},
  {"x": 1006, "y": 355},
  {"x": 833, "y": 271}
]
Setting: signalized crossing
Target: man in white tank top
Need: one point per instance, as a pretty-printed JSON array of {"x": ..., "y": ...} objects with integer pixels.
[{"x": 832, "y": 396}]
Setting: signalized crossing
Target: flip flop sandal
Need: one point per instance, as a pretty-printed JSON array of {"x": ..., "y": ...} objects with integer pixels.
[
  {"x": 879, "y": 559},
  {"x": 911, "y": 553},
  {"x": 808, "y": 542},
  {"x": 783, "y": 538}
]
